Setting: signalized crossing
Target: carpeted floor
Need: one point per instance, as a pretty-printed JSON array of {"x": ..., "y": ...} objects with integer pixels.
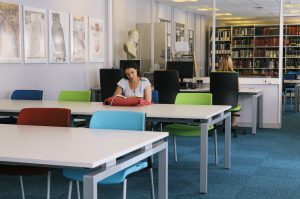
[{"x": 265, "y": 166}]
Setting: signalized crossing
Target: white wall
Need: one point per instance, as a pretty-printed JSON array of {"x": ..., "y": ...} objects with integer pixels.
[{"x": 54, "y": 77}]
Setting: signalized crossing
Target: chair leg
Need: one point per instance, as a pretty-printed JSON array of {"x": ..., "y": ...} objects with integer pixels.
[
  {"x": 284, "y": 101},
  {"x": 22, "y": 187},
  {"x": 78, "y": 189},
  {"x": 124, "y": 188},
  {"x": 175, "y": 150},
  {"x": 291, "y": 101},
  {"x": 70, "y": 189},
  {"x": 152, "y": 184},
  {"x": 216, "y": 147},
  {"x": 48, "y": 184}
]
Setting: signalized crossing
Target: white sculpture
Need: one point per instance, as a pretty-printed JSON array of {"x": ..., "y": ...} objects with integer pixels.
[{"x": 130, "y": 47}]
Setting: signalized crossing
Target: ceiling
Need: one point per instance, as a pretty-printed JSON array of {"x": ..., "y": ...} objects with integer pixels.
[{"x": 244, "y": 11}]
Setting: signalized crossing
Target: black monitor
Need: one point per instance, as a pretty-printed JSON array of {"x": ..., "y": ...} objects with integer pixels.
[
  {"x": 184, "y": 68},
  {"x": 126, "y": 62}
]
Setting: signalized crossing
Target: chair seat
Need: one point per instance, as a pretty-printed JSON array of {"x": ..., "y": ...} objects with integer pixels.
[
  {"x": 235, "y": 109},
  {"x": 184, "y": 130},
  {"x": 77, "y": 174}
]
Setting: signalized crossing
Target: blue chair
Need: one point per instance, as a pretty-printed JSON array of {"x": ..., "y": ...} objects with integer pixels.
[
  {"x": 117, "y": 120},
  {"x": 22, "y": 95},
  {"x": 27, "y": 95},
  {"x": 154, "y": 96},
  {"x": 288, "y": 89}
]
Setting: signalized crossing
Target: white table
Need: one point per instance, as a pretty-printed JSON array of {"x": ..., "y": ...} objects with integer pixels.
[
  {"x": 98, "y": 150},
  {"x": 204, "y": 115},
  {"x": 257, "y": 101}
]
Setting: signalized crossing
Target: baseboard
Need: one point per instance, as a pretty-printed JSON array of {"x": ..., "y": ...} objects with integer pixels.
[{"x": 264, "y": 125}]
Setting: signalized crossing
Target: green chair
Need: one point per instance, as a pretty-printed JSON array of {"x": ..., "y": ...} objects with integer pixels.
[
  {"x": 76, "y": 96},
  {"x": 190, "y": 130}
]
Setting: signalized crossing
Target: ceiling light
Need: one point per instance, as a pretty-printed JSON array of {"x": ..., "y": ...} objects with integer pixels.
[
  {"x": 291, "y": 5},
  {"x": 224, "y": 14},
  {"x": 230, "y": 18},
  {"x": 207, "y": 9},
  {"x": 181, "y": 1},
  {"x": 294, "y": 11}
]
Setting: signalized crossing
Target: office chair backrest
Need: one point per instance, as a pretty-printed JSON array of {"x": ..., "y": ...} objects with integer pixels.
[
  {"x": 79, "y": 96},
  {"x": 194, "y": 98},
  {"x": 224, "y": 88},
  {"x": 119, "y": 120},
  {"x": 27, "y": 95},
  {"x": 108, "y": 81},
  {"x": 167, "y": 85},
  {"x": 154, "y": 97},
  {"x": 45, "y": 117}
]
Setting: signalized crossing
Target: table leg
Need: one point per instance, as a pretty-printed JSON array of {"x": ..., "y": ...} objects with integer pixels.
[
  {"x": 227, "y": 147},
  {"x": 163, "y": 174},
  {"x": 254, "y": 113},
  {"x": 89, "y": 187},
  {"x": 296, "y": 98},
  {"x": 203, "y": 157}
]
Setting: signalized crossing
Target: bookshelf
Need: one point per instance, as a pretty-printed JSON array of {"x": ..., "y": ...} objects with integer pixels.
[{"x": 255, "y": 49}]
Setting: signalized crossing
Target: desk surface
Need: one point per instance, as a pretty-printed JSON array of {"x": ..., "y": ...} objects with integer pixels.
[
  {"x": 71, "y": 147},
  {"x": 152, "y": 111},
  {"x": 241, "y": 91}
]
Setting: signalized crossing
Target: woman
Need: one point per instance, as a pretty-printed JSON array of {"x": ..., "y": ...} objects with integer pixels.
[
  {"x": 227, "y": 66},
  {"x": 132, "y": 85}
]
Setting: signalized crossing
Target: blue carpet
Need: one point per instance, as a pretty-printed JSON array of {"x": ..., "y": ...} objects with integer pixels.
[{"x": 265, "y": 166}]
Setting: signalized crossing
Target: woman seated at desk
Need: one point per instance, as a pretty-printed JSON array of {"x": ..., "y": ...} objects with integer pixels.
[{"x": 132, "y": 85}]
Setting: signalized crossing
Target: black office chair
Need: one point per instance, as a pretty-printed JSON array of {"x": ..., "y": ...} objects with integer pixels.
[
  {"x": 167, "y": 85},
  {"x": 108, "y": 81},
  {"x": 225, "y": 89}
]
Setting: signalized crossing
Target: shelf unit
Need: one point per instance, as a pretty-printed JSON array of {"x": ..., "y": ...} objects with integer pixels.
[{"x": 255, "y": 49}]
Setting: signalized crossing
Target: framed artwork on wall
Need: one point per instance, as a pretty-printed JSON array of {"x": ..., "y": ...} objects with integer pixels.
[
  {"x": 78, "y": 37},
  {"x": 96, "y": 40},
  {"x": 35, "y": 35},
  {"x": 10, "y": 34},
  {"x": 58, "y": 37}
]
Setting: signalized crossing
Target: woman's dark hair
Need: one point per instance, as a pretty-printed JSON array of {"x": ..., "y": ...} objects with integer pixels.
[{"x": 130, "y": 64}]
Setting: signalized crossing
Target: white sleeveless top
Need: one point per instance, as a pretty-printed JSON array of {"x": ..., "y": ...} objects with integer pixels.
[{"x": 139, "y": 91}]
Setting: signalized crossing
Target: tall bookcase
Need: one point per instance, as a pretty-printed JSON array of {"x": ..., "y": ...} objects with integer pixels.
[{"x": 255, "y": 49}]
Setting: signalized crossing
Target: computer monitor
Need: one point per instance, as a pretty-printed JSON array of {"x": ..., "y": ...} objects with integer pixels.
[
  {"x": 126, "y": 62},
  {"x": 185, "y": 68}
]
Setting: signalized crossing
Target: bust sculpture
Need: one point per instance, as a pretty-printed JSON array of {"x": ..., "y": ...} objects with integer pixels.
[{"x": 130, "y": 47}]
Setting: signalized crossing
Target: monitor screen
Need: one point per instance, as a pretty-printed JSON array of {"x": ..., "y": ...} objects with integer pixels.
[
  {"x": 184, "y": 68},
  {"x": 124, "y": 63}
]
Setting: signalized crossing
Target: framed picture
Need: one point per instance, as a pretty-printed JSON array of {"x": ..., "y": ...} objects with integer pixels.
[
  {"x": 35, "y": 35},
  {"x": 10, "y": 34},
  {"x": 78, "y": 29},
  {"x": 96, "y": 40},
  {"x": 58, "y": 37}
]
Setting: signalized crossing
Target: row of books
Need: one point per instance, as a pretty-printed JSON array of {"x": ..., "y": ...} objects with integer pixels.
[
  {"x": 267, "y": 42},
  {"x": 266, "y": 53},
  {"x": 245, "y": 53},
  {"x": 292, "y": 63},
  {"x": 242, "y": 42},
  {"x": 242, "y": 31},
  {"x": 243, "y": 63},
  {"x": 293, "y": 30},
  {"x": 292, "y": 41},
  {"x": 222, "y": 35},
  {"x": 292, "y": 53},
  {"x": 267, "y": 31},
  {"x": 266, "y": 63}
]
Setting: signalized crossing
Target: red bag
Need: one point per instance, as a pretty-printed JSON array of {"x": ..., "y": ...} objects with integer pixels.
[{"x": 123, "y": 101}]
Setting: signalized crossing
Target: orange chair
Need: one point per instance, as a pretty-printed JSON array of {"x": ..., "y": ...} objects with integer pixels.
[{"x": 41, "y": 117}]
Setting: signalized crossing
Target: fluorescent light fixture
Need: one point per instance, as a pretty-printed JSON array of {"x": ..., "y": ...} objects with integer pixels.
[
  {"x": 181, "y": 1},
  {"x": 291, "y": 5},
  {"x": 294, "y": 11},
  {"x": 223, "y": 14},
  {"x": 207, "y": 9},
  {"x": 230, "y": 18}
]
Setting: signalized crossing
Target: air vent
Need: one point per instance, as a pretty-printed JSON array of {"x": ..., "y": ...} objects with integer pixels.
[{"x": 259, "y": 7}]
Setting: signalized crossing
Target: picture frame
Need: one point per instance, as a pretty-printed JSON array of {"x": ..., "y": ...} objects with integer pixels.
[
  {"x": 58, "y": 37},
  {"x": 35, "y": 35},
  {"x": 78, "y": 38},
  {"x": 96, "y": 40},
  {"x": 10, "y": 33}
]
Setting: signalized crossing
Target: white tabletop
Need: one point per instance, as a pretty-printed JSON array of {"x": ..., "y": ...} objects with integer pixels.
[
  {"x": 153, "y": 111},
  {"x": 241, "y": 91},
  {"x": 71, "y": 147}
]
